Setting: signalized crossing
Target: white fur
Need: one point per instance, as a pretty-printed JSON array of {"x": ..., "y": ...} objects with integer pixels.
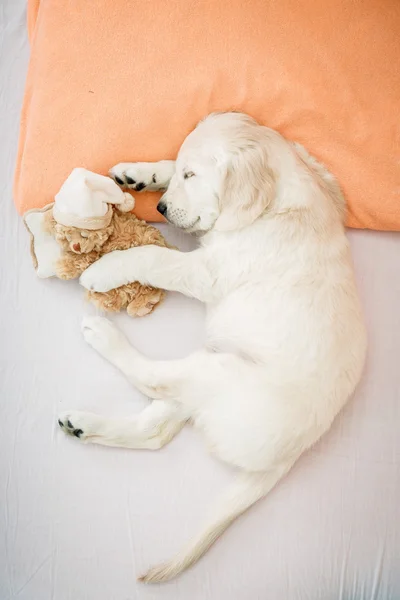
[
  {"x": 285, "y": 335},
  {"x": 157, "y": 177}
]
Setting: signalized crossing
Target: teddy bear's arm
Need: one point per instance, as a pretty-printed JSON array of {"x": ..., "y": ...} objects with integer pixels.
[{"x": 70, "y": 266}]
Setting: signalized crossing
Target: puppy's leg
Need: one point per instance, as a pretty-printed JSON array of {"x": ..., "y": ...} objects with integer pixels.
[
  {"x": 152, "y": 177},
  {"x": 151, "y": 429},
  {"x": 155, "y": 379},
  {"x": 188, "y": 273}
]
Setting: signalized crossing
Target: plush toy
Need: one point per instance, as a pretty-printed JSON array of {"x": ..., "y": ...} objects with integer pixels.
[{"x": 91, "y": 217}]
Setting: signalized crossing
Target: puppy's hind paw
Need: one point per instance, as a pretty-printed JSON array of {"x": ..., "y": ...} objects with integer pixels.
[{"x": 78, "y": 424}]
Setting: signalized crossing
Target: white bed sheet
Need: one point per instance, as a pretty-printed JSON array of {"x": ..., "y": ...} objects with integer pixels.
[{"x": 80, "y": 522}]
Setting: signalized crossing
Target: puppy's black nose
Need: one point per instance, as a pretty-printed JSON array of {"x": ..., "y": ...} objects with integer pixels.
[{"x": 162, "y": 207}]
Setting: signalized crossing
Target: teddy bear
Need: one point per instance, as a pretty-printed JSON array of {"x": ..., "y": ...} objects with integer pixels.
[{"x": 91, "y": 217}]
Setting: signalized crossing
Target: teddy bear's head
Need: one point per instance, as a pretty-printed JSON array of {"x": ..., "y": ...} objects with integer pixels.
[
  {"x": 81, "y": 241},
  {"x": 83, "y": 211}
]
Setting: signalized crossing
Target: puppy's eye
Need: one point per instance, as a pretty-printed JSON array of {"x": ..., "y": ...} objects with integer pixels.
[
  {"x": 84, "y": 234},
  {"x": 188, "y": 175}
]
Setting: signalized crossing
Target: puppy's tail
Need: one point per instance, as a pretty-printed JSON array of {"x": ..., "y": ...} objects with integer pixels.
[{"x": 246, "y": 491}]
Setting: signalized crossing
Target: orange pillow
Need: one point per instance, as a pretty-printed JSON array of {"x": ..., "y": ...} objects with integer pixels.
[{"x": 121, "y": 80}]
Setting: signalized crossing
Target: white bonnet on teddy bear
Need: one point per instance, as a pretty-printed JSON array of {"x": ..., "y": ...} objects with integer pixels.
[{"x": 85, "y": 199}]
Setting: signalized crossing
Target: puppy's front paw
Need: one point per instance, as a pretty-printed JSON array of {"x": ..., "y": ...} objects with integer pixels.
[
  {"x": 105, "y": 274},
  {"x": 103, "y": 336},
  {"x": 143, "y": 175},
  {"x": 95, "y": 280},
  {"x": 137, "y": 176}
]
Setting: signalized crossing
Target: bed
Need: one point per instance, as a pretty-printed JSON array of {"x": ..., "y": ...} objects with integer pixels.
[{"x": 82, "y": 522}]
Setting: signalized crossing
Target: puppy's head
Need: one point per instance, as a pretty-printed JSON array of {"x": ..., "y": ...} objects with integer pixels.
[
  {"x": 81, "y": 241},
  {"x": 223, "y": 180}
]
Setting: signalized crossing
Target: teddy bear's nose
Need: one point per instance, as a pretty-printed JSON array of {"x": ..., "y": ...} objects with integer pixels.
[{"x": 77, "y": 247}]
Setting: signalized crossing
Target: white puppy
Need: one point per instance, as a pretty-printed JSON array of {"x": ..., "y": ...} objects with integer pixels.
[{"x": 285, "y": 335}]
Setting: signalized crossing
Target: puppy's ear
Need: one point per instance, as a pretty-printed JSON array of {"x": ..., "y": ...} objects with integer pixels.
[{"x": 248, "y": 188}]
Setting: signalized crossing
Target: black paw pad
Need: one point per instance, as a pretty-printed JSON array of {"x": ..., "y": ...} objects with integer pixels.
[
  {"x": 70, "y": 425},
  {"x": 119, "y": 180},
  {"x": 130, "y": 181},
  {"x": 61, "y": 424},
  {"x": 154, "y": 178},
  {"x": 77, "y": 433},
  {"x": 140, "y": 186}
]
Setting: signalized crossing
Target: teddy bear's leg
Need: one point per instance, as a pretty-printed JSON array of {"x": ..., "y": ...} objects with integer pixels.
[
  {"x": 151, "y": 429},
  {"x": 144, "y": 302},
  {"x": 70, "y": 266},
  {"x": 111, "y": 301}
]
